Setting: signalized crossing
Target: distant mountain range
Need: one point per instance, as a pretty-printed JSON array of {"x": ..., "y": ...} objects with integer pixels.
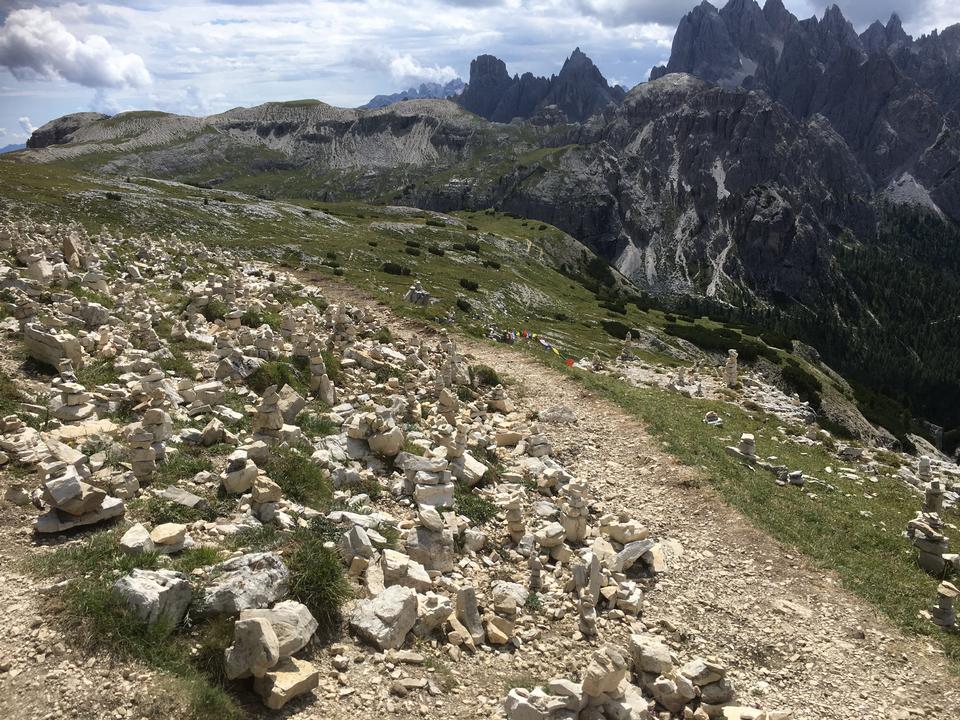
[
  {"x": 426, "y": 91},
  {"x": 12, "y": 148}
]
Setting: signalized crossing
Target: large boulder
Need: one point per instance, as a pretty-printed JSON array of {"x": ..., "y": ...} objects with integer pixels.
[
  {"x": 255, "y": 649},
  {"x": 290, "y": 678},
  {"x": 243, "y": 583},
  {"x": 155, "y": 596},
  {"x": 385, "y": 620},
  {"x": 292, "y": 623}
]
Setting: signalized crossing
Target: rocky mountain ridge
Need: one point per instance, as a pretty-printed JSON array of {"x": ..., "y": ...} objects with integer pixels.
[
  {"x": 892, "y": 98},
  {"x": 576, "y": 93},
  {"x": 425, "y": 91}
]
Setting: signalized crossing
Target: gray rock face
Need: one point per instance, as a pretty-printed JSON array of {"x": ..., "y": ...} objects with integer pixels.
[
  {"x": 59, "y": 131},
  {"x": 735, "y": 182},
  {"x": 887, "y": 95},
  {"x": 578, "y": 91},
  {"x": 155, "y": 596},
  {"x": 247, "y": 582},
  {"x": 385, "y": 620}
]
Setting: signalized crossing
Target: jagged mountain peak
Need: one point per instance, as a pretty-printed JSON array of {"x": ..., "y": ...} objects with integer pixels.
[{"x": 578, "y": 91}]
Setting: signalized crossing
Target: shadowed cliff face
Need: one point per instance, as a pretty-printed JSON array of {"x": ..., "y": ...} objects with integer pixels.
[
  {"x": 892, "y": 98},
  {"x": 692, "y": 188},
  {"x": 578, "y": 92}
]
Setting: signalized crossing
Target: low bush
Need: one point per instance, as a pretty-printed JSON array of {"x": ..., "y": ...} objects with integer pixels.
[
  {"x": 215, "y": 310},
  {"x": 464, "y": 305},
  {"x": 392, "y": 268},
  {"x": 471, "y": 285},
  {"x": 479, "y": 510},
  {"x": 616, "y": 329},
  {"x": 300, "y": 478},
  {"x": 493, "y": 264},
  {"x": 484, "y": 375},
  {"x": 435, "y": 223},
  {"x": 436, "y": 250},
  {"x": 412, "y": 251},
  {"x": 275, "y": 372},
  {"x": 803, "y": 383},
  {"x": 720, "y": 340},
  {"x": 316, "y": 575}
]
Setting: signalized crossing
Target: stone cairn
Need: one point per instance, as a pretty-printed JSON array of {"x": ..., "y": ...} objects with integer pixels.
[
  {"x": 926, "y": 533},
  {"x": 626, "y": 352},
  {"x": 268, "y": 423},
  {"x": 730, "y": 369},
  {"x": 512, "y": 504},
  {"x": 573, "y": 512},
  {"x": 943, "y": 613},
  {"x": 418, "y": 568},
  {"x": 417, "y": 295},
  {"x": 75, "y": 404}
]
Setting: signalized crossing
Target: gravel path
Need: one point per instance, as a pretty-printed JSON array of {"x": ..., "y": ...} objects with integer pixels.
[{"x": 791, "y": 635}]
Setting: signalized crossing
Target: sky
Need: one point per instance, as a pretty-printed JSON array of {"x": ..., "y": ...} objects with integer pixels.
[{"x": 200, "y": 57}]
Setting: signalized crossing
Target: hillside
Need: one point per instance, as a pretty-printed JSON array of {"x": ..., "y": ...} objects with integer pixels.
[
  {"x": 689, "y": 189},
  {"x": 636, "y": 441}
]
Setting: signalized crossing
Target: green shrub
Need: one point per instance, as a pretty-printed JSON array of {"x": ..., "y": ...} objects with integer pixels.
[
  {"x": 479, "y": 510},
  {"x": 412, "y": 251},
  {"x": 436, "y": 250},
  {"x": 471, "y": 285},
  {"x": 392, "y": 268},
  {"x": 803, "y": 383},
  {"x": 412, "y": 243},
  {"x": 493, "y": 264},
  {"x": 435, "y": 223},
  {"x": 301, "y": 479},
  {"x": 615, "y": 307},
  {"x": 215, "y": 310},
  {"x": 316, "y": 576},
  {"x": 464, "y": 305},
  {"x": 616, "y": 328},
  {"x": 275, "y": 372},
  {"x": 777, "y": 340},
  {"x": 332, "y": 364},
  {"x": 484, "y": 375},
  {"x": 472, "y": 228},
  {"x": 178, "y": 364},
  {"x": 99, "y": 372},
  {"x": 472, "y": 245},
  {"x": 721, "y": 340}
]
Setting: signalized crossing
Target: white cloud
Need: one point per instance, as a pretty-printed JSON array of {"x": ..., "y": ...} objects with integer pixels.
[
  {"x": 26, "y": 125},
  {"x": 34, "y": 44},
  {"x": 631, "y": 12},
  {"x": 405, "y": 67}
]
